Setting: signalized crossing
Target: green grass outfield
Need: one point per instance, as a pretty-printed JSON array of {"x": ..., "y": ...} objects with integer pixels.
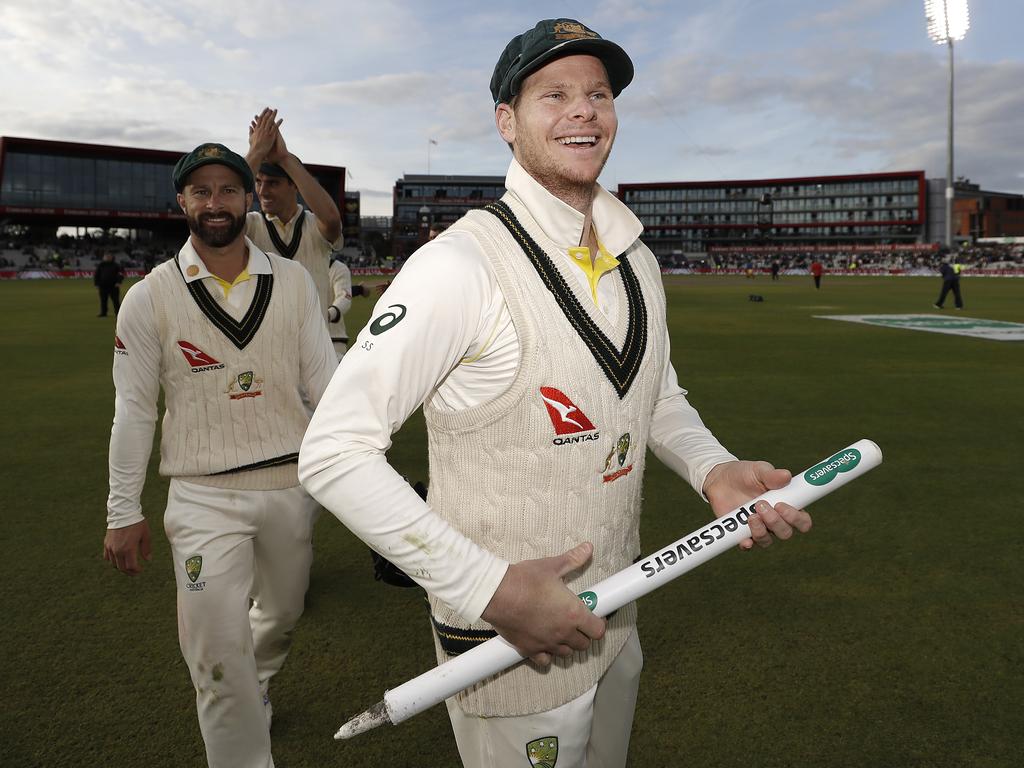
[{"x": 890, "y": 636}]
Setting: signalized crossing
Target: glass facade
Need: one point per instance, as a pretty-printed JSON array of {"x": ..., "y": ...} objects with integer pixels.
[
  {"x": 799, "y": 213},
  {"x": 447, "y": 199},
  {"x": 59, "y": 181}
]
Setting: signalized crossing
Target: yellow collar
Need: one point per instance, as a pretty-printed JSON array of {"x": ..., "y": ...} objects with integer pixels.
[
  {"x": 593, "y": 268},
  {"x": 242, "y": 277}
]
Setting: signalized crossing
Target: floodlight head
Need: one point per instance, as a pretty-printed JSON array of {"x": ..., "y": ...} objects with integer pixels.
[{"x": 947, "y": 19}]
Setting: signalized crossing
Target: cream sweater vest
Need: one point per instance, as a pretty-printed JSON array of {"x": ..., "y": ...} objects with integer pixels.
[
  {"x": 306, "y": 246},
  {"x": 234, "y": 416},
  {"x": 525, "y": 475}
]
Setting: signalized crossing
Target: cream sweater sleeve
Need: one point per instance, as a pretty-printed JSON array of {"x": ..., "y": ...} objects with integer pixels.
[
  {"x": 136, "y": 374},
  {"x": 678, "y": 436}
]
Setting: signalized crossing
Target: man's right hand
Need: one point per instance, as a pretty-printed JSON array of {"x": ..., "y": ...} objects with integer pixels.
[
  {"x": 534, "y": 611},
  {"x": 122, "y": 547}
]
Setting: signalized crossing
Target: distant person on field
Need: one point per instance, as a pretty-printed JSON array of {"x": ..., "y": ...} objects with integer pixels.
[
  {"x": 282, "y": 226},
  {"x": 108, "y": 279},
  {"x": 817, "y": 270},
  {"x": 775, "y": 269},
  {"x": 236, "y": 340},
  {"x": 950, "y": 271}
]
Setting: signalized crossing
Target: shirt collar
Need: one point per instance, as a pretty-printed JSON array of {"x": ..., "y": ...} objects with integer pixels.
[
  {"x": 193, "y": 268},
  {"x": 615, "y": 224},
  {"x": 285, "y": 224}
]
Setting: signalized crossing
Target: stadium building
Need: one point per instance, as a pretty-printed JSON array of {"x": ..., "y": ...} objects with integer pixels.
[
  {"x": 979, "y": 214},
  {"x": 49, "y": 184},
  {"x": 876, "y": 211},
  {"x": 422, "y": 202}
]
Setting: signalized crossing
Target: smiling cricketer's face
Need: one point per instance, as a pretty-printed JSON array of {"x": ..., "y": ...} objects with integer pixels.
[
  {"x": 562, "y": 125},
  {"x": 214, "y": 202}
]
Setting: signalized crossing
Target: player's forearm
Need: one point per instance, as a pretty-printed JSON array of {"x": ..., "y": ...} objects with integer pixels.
[
  {"x": 363, "y": 491},
  {"x": 316, "y": 197},
  {"x": 681, "y": 442},
  {"x": 343, "y": 303},
  {"x": 131, "y": 442},
  {"x": 254, "y": 158}
]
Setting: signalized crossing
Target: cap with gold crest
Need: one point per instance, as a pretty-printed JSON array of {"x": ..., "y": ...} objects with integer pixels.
[
  {"x": 211, "y": 154},
  {"x": 549, "y": 40}
]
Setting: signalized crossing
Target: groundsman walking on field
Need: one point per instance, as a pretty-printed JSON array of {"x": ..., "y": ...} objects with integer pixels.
[
  {"x": 235, "y": 338},
  {"x": 533, "y": 332}
]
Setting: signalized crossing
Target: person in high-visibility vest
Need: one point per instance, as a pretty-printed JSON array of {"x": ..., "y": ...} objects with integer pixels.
[{"x": 950, "y": 271}]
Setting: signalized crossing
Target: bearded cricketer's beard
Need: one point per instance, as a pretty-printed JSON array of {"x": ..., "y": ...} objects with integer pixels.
[{"x": 216, "y": 237}]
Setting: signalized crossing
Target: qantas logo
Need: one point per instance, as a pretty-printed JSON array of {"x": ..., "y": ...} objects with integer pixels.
[
  {"x": 566, "y": 417},
  {"x": 119, "y": 347},
  {"x": 198, "y": 360}
]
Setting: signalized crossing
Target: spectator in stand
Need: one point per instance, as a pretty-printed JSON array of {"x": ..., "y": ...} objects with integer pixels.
[
  {"x": 817, "y": 270},
  {"x": 107, "y": 280}
]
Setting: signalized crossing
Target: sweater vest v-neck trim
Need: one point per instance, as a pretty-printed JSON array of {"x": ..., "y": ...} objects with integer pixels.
[
  {"x": 620, "y": 366},
  {"x": 238, "y": 332},
  {"x": 287, "y": 250}
]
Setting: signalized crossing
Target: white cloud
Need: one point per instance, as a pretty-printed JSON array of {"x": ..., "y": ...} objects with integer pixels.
[
  {"x": 399, "y": 89},
  {"x": 723, "y": 87},
  {"x": 848, "y": 13}
]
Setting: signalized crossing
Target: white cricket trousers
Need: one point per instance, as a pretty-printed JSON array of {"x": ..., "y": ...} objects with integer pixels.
[
  {"x": 241, "y": 562},
  {"x": 591, "y": 731}
]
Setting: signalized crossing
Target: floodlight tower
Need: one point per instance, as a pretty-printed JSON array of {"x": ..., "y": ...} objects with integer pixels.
[{"x": 948, "y": 20}]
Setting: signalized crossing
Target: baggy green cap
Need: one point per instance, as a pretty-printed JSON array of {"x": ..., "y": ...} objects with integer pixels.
[
  {"x": 549, "y": 40},
  {"x": 211, "y": 154}
]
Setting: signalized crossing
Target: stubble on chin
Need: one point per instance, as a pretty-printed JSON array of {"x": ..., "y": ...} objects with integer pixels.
[{"x": 568, "y": 184}]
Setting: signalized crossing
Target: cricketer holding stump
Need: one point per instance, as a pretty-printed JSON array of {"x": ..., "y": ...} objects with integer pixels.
[
  {"x": 533, "y": 332},
  {"x": 236, "y": 339}
]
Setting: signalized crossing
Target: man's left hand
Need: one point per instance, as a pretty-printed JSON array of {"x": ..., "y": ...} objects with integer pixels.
[{"x": 736, "y": 482}]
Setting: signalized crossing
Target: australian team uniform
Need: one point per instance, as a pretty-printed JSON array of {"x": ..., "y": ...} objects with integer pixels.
[
  {"x": 544, "y": 375},
  {"x": 235, "y": 363},
  {"x": 341, "y": 301},
  {"x": 297, "y": 239}
]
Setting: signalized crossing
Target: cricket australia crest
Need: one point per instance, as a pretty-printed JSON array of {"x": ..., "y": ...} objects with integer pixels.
[
  {"x": 193, "y": 567},
  {"x": 245, "y": 384},
  {"x": 543, "y": 753},
  {"x": 618, "y": 453}
]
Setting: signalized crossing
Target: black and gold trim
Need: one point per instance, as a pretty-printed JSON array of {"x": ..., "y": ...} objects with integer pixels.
[
  {"x": 621, "y": 367},
  {"x": 277, "y": 461},
  {"x": 290, "y": 249},
  {"x": 239, "y": 332},
  {"x": 456, "y": 640}
]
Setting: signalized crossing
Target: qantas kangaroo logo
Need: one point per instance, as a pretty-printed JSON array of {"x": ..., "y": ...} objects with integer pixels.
[
  {"x": 198, "y": 360},
  {"x": 566, "y": 418}
]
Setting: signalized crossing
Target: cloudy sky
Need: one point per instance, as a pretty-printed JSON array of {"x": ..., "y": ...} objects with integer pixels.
[{"x": 725, "y": 89}]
